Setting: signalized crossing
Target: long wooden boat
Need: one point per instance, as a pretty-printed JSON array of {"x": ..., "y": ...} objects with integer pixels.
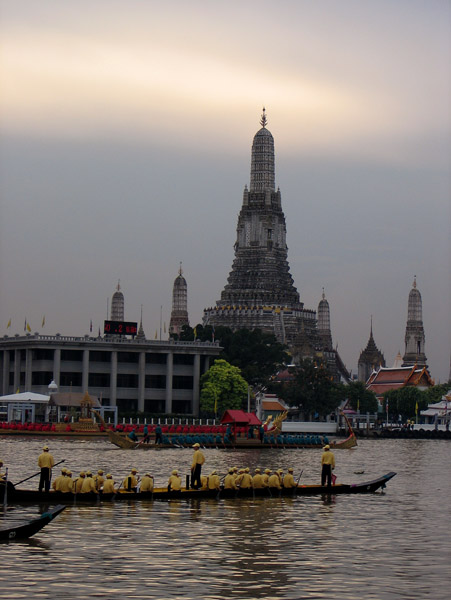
[
  {"x": 26, "y": 496},
  {"x": 31, "y": 527}
]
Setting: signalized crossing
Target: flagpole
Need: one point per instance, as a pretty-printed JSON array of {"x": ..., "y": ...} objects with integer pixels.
[{"x": 161, "y": 317}]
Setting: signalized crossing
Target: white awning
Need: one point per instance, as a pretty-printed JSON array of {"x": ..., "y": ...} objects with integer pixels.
[{"x": 25, "y": 397}]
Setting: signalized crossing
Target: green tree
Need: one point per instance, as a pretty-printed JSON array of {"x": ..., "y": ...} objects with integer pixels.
[
  {"x": 404, "y": 401},
  {"x": 359, "y": 397},
  {"x": 222, "y": 388},
  {"x": 312, "y": 389},
  {"x": 434, "y": 394}
]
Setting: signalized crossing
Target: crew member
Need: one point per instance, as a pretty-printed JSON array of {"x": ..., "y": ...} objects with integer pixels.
[
  {"x": 158, "y": 435},
  {"x": 146, "y": 483},
  {"x": 2, "y": 474},
  {"x": 45, "y": 462},
  {"x": 246, "y": 480},
  {"x": 288, "y": 480},
  {"x": 203, "y": 482},
  {"x": 229, "y": 481},
  {"x": 67, "y": 484},
  {"x": 99, "y": 480},
  {"x": 274, "y": 481},
  {"x": 174, "y": 482},
  {"x": 327, "y": 465},
  {"x": 89, "y": 485},
  {"x": 108, "y": 485},
  {"x": 257, "y": 480},
  {"x": 130, "y": 483},
  {"x": 58, "y": 482},
  {"x": 146, "y": 437},
  {"x": 214, "y": 482},
  {"x": 78, "y": 483},
  {"x": 265, "y": 477},
  {"x": 196, "y": 467},
  {"x": 132, "y": 435}
]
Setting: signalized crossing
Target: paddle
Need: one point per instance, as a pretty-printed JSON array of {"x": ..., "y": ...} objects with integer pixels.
[
  {"x": 38, "y": 473},
  {"x": 297, "y": 483}
]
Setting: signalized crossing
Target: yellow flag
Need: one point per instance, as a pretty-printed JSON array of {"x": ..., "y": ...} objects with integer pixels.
[
  {"x": 195, "y": 332},
  {"x": 9, "y": 324},
  {"x": 416, "y": 407},
  {"x": 43, "y": 321},
  {"x": 28, "y": 327}
]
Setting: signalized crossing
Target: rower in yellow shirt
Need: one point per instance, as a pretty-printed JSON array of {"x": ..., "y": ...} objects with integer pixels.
[
  {"x": 196, "y": 467},
  {"x": 67, "y": 483},
  {"x": 229, "y": 481},
  {"x": 89, "y": 485},
  {"x": 214, "y": 482},
  {"x": 108, "y": 485},
  {"x": 99, "y": 480},
  {"x": 58, "y": 482},
  {"x": 327, "y": 465},
  {"x": 246, "y": 480},
  {"x": 78, "y": 483},
  {"x": 146, "y": 483},
  {"x": 257, "y": 480},
  {"x": 274, "y": 481},
  {"x": 45, "y": 463},
  {"x": 265, "y": 478},
  {"x": 130, "y": 483},
  {"x": 288, "y": 480},
  {"x": 174, "y": 482}
]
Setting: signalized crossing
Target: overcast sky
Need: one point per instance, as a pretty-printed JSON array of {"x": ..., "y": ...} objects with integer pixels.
[{"x": 126, "y": 133}]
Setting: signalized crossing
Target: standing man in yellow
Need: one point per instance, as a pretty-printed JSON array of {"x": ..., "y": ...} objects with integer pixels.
[
  {"x": 196, "y": 467},
  {"x": 45, "y": 463},
  {"x": 327, "y": 466}
]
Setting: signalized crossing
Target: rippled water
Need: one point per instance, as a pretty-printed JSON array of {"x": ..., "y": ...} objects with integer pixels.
[{"x": 390, "y": 545}]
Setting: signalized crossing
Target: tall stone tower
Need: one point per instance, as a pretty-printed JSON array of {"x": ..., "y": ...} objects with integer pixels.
[
  {"x": 260, "y": 292},
  {"x": 370, "y": 359},
  {"x": 179, "y": 314},
  {"x": 117, "y": 304},
  {"x": 324, "y": 330},
  {"x": 414, "y": 354}
]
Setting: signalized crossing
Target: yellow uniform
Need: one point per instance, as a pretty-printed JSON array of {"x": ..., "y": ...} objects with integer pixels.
[
  {"x": 246, "y": 481},
  {"x": 328, "y": 458},
  {"x": 174, "y": 483},
  {"x": 204, "y": 482},
  {"x": 108, "y": 486},
  {"x": 229, "y": 482},
  {"x": 78, "y": 483},
  {"x": 214, "y": 483},
  {"x": 130, "y": 482},
  {"x": 88, "y": 486},
  {"x": 99, "y": 480},
  {"x": 45, "y": 460},
  {"x": 198, "y": 459},
  {"x": 58, "y": 483},
  {"x": 274, "y": 481},
  {"x": 265, "y": 479},
  {"x": 288, "y": 481},
  {"x": 66, "y": 485},
  {"x": 146, "y": 484},
  {"x": 257, "y": 481}
]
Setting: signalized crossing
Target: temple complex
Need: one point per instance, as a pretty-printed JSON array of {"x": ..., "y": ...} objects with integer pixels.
[
  {"x": 370, "y": 359},
  {"x": 260, "y": 292},
  {"x": 117, "y": 304}
]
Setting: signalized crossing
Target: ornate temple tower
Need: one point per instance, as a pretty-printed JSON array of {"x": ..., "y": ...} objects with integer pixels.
[
  {"x": 370, "y": 359},
  {"x": 260, "y": 292},
  {"x": 179, "y": 314},
  {"x": 117, "y": 304},
  {"x": 414, "y": 354},
  {"x": 324, "y": 330}
]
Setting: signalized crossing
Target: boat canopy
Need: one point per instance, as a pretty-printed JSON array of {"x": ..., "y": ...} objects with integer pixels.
[{"x": 239, "y": 417}]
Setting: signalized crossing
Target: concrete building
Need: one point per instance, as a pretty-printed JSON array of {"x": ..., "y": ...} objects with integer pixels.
[{"x": 132, "y": 374}]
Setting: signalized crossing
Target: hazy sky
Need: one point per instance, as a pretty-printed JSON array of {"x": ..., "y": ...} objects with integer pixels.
[{"x": 126, "y": 132}]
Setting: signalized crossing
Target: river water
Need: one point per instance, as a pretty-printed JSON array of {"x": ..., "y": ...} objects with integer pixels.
[{"x": 390, "y": 545}]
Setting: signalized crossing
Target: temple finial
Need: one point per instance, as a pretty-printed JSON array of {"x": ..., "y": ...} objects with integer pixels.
[
  {"x": 263, "y": 120},
  {"x": 118, "y": 284},
  {"x": 180, "y": 269},
  {"x": 414, "y": 281},
  {"x": 324, "y": 295}
]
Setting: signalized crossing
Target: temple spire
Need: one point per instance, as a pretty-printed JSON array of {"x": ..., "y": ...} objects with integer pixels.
[{"x": 263, "y": 120}]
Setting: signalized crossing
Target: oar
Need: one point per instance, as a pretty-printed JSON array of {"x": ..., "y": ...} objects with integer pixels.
[
  {"x": 38, "y": 473},
  {"x": 297, "y": 483}
]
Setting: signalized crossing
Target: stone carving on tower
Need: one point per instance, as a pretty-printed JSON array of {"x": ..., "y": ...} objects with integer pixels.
[
  {"x": 370, "y": 359},
  {"x": 117, "y": 304},
  {"x": 179, "y": 314},
  {"x": 414, "y": 354}
]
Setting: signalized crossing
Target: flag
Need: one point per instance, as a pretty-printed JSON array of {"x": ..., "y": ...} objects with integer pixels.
[
  {"x": 164, "y": 328},
  {"x": 195, "y": 332},
  {"x": 9, "y": 324},
  {"x": 43, "y": 321},
  {"x": 25, "y": 325},
  {"x": 99, "y": 331},
  {"x": 416, "y": 407},
  {"x": 28, "y": 327},
  {"x": 90, "y": 325},
  {"x": 213, "y": 334}
]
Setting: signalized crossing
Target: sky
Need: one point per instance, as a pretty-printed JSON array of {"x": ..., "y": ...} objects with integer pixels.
[{"x": 125, "y": 142}]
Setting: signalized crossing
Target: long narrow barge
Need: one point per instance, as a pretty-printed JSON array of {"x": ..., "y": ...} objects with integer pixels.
[{"x": 17, "y": 496}]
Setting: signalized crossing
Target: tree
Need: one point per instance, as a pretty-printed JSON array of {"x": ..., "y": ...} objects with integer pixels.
[
  {"x": 312, "y": 389},
  {"x": 406, "y": 401},
  {"x": 359, "y": 397},
  {"x": 222, "y": 388},
  {"x": 434, "y": 394}
]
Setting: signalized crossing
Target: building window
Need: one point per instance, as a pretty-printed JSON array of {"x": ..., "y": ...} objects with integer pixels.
[
  {"x": 99, "y": 380},
  {"x": 68, "y": 378},
  {"x": 181, "y": 407},
  {"x": 127, "y": 380},
  {"x": 182, "y": 382},
  {"x": 183, "y": 359},
  {"x": 156, "y": 358},
  {"x": 154, "y": 406},
  {"x": 72, "y": 355},
  {"x": 99, "y": 356},
  {"x": 41, "y": 377},
  {"x": 156, "y": 381},
  {"x": 128, "y": 357},
  {"x": 42, "y": 354},
  {"x": 126, "y": 405}
]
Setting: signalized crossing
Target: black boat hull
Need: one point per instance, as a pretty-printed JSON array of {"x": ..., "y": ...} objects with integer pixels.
[{"x": 32, "y": 527}]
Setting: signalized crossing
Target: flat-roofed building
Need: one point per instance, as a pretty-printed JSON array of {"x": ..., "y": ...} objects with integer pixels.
[{"x": 132, "y": 374}]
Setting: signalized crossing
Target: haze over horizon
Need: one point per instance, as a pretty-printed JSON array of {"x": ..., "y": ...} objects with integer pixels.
[{"x": 126, "y": 137}]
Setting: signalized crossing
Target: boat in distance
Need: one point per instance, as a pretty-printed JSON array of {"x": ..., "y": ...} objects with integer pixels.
[
  {"x": 17, "y": 496},
  {"x": 31, "y": 527}
]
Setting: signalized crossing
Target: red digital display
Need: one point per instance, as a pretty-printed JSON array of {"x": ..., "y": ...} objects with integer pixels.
[{"x": 120, "y": 328}]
